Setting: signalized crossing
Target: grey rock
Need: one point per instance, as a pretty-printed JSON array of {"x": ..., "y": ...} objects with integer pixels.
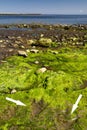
[
  {"x": 22, "y": 53},
  {"x": 10, "y": 50},
  {"x": 34, "y": 50}
]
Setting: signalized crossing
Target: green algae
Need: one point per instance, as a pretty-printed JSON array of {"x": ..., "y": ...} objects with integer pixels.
[{"x": 49, "y": 96}]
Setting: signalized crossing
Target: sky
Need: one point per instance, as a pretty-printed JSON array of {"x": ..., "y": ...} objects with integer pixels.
[{"x": 44, "y": 6}]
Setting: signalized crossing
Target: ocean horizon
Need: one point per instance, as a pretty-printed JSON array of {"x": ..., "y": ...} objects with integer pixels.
[{"x": 43, "y": 18}]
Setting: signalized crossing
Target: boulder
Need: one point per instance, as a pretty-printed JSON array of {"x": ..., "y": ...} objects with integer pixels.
[{"x": 45, "y": 42}]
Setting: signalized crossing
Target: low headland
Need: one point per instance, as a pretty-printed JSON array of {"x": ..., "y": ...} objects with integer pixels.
[
  {"x": 19, "y": 14},
  {"x": 45, "y": 67}
]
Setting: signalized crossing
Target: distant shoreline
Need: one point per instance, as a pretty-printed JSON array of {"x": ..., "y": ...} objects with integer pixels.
[
  {"x": 19, "y": 14},
  {"x": 1, "y": 14}
]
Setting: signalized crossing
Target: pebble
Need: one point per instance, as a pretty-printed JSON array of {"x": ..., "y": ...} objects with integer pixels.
[
  {"x": 15, "y": 45},
  {"x": 41, "y": 35},
  {"x": 22, "y": 53},
  {"x": 54, "y": 52},
  {"x": 34, "y": 50},
  {"x": 42, "y": 70},
  {"x": 13, "y": 91},
  {"x": 10, "y": 50},
  {"x": 36, "y": 62},
  {"x": 30, "y": 42},
  {"x": 25, "y": 25},
  {"x": 3, "y": 46},
  {"x": 1, "y": 41},
  {"x": 19, "y": 37},
  {"x": 28, "y": 50},
  {"x": 22, "y": 47}
]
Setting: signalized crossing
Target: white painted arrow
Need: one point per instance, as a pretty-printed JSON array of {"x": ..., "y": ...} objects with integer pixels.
[
  {"x": 15, "y": 101},
  {"x": 76, "y": 103}
]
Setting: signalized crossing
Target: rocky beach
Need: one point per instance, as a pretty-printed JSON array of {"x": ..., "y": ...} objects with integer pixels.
[
  {"x": 24, "y": 37},
  {"x": 45, "y": 66}
]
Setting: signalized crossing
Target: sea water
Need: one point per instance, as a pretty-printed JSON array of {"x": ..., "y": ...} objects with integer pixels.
[{"x": 44, "y": 19}]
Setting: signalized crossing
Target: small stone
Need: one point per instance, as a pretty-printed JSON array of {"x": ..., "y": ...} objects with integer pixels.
[
  {"x": 7, "y": 41},
  {"x": 22, "y": 53},
  {"x": 17, "y": 42},
  {"x": 73, "y": 43},
  {"x": 33, "y": 47},
  {"x": 36, "y": 62},
  {"x": 13, "y": 91},
  {"x": 25, "y": 25},
  {"x": 3, "y": 46},
  {"x": 74, "y": 119},
  {"x": 79, "y": 43},
  {"x": 22, "y": 47},
  {"x": 34, "y": 50},
  {"x": 3, "y": 61},
  {"x": 1, "y": 41},
  {"x": 9, "y": 37},
  {"x": 10, "y": 50},
  {"x": 54, "y": 52},
  {"x": 74, "y": 39},
  {"x": 19, "y": 37},
  {"x": 41, "y": 35},
  {"x": 31, "y": 41},
  {"x": 27, "y": 50},
  {"x": 15, "y": 45},
  {"x": 42, "y": 70}
]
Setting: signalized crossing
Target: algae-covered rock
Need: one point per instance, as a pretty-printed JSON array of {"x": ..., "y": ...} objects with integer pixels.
[
  {"x": 54, "y": 52},
  {"x": 31, "y": 41},
  {"x": 45, "y": 42},
  {"x": 74, "y": 39}
]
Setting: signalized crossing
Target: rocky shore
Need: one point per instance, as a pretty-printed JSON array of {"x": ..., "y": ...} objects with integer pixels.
[
  {"x": 45, "y": 67},
  {"x": 14, "y": 38}
]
